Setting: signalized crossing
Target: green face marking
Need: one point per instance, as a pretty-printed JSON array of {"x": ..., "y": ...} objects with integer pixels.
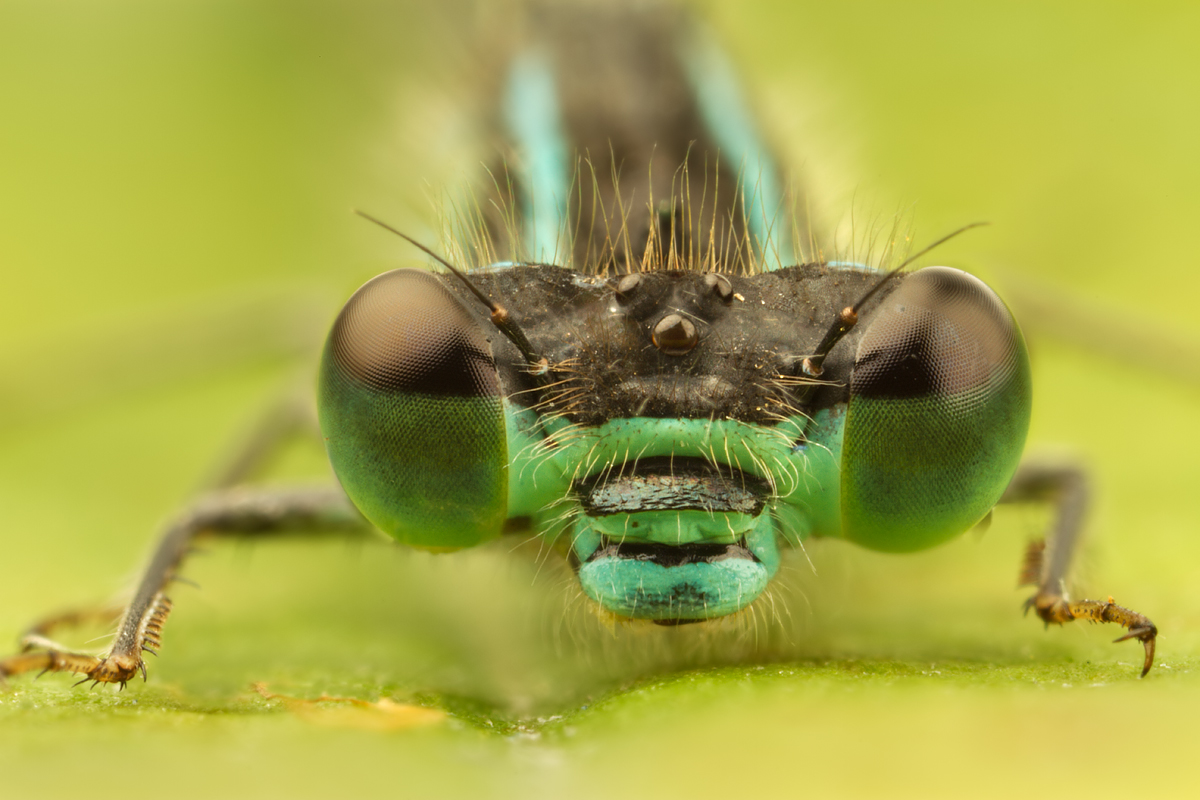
[
  {"x": 678, "y": 534},
  {"x": 673, "y": 464}
]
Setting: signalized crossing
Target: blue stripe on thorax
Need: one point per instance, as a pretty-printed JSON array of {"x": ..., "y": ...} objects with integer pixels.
[
  {"x": 534, "y": 122},
  {"x": 720, "y": 101},
  {"x": 532, "y": 116}
]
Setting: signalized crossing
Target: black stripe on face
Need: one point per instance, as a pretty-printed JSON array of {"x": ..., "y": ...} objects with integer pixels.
[
  {"x": 673, "y": 555},
  {"x": 672, "y": 484}
]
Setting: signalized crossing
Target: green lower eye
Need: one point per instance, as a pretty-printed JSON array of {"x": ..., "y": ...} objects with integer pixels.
[
  {"x": 412, "y": 414},
  {"x": 939, "y": 407}
]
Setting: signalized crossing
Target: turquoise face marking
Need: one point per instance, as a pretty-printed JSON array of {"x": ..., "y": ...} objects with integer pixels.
[
  {"x": 686, "y": 592},
  {"x": 691, "y": 558},
  {"x": 719, "y": 564}
]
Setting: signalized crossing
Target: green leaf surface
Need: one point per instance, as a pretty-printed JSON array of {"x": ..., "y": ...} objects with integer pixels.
[{"x": 175, "y": 236}]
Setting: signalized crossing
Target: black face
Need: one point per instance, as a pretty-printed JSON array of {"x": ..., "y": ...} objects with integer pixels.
[{"x": 674, "y": 343}]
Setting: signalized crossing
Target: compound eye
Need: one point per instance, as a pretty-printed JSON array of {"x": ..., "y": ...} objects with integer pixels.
[
  {"x": 939, "y": 407},
  {"x": 412, "y": 411},
  {"x": 404, "y": 332}
]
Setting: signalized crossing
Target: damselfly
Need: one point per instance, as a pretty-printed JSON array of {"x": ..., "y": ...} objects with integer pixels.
[{"x": 648, "y": 364}]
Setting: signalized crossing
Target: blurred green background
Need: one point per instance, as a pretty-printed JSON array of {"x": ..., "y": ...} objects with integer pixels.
[{"x": 175, "y": 235}]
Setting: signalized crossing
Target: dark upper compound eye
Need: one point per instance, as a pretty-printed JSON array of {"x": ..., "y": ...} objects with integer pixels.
[
  {"x": 404, "y": 331},
  {"x": 939, "y": 407},
  {"x": 943, "y": 332},
  {"x": 412, "y": 412}
]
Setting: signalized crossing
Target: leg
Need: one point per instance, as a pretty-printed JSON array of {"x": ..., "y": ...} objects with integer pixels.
[
  {"x": 227, "y": 511},
  {"x": 232, "y": 512},
  {"x": 291, "y": 415},
  {"x": 1046, "y": 564}
]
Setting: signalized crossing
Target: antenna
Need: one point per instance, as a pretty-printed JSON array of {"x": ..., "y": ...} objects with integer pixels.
[
  {"x": 499, "y": 314},
  {"x": 812, "y": 366}
]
